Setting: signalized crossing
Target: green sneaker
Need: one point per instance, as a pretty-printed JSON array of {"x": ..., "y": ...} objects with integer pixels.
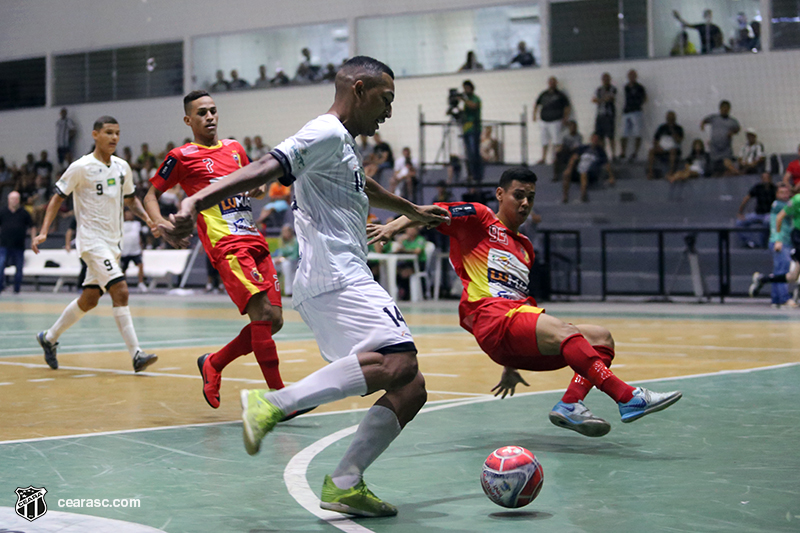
[
  {"x": 258, "y": 418},
  {"x": 357, "y": 500}
]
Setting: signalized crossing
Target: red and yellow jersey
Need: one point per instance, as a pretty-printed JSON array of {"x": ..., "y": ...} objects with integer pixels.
[
  {"x": 492, "y": 262},
  {"x": 228, "y": 224}
]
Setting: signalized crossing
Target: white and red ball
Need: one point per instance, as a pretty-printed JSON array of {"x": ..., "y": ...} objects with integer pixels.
[{"x": 512, "y": 477}]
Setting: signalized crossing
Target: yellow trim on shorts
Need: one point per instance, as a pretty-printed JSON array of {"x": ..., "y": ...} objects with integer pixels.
[
  {"x": 525, "y": 309},
  {"x": 236, "y": 268}
]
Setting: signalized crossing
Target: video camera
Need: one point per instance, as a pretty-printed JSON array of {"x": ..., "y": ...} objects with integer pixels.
[{"x": 453, "y": 100}]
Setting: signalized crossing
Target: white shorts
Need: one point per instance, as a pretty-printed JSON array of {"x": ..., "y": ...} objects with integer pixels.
[
  {"x": 632, "y": 124},
  {"x": 362, "y": 317},
  {"x": 100, "y": 268},
  {"x": 551, "y": 133}
]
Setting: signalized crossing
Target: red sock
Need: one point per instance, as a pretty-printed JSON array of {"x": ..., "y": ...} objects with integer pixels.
[
  {"x": 236, "y": 348},
  {"x": 579, "y": 387},
  {"x": 266, "y": 352},
  {"x": 585, "y": 360}
]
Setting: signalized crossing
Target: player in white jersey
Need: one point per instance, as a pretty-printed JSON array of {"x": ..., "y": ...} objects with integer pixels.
[
  {"x": 101, "y": 184},
  {"x": 355, "y": 322}
]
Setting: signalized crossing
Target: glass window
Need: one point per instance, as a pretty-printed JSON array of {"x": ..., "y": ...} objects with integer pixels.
[
  {"x": 22, "y": 83},
  {"x": 785, "y": 24},
  {"x": 296, "y": 55},
  {"x": 124, "y": 73},
  {"x": 597, "y": 30},
  {"x": 688, "y": 27},
  {"x": 434, "y": 43}
]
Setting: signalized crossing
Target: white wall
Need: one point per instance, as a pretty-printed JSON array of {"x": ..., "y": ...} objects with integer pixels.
[{"x": 761, "y": 87}]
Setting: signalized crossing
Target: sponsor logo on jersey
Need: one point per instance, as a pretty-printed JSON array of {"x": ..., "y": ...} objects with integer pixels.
[
  {"x": 508, "y": 280},
  {"x": 462, "y": 210},
  {"x": 237, "y": 158},
  {"x": 297, "y": 155},
  {"x": 30, "y": 502},
  {"x": 167, "y": 167},
  {"x": 235, "y": 204},
  {"x": 257, "y": 276}
]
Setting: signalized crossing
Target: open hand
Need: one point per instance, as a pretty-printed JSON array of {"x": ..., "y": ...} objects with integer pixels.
[
  {"x": 508, "y": 382},
  {"x": 379, "y": 234},
  {"x": 39, "y": 239},
  {"x": 431, "y": 215}
]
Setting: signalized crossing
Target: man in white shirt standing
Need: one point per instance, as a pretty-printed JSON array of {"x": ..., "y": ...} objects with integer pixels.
[
  {"x": 102, "y": 184},
  {"x": 355, "y": 322}
]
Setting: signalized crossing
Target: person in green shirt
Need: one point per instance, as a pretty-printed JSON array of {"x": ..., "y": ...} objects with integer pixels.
[
  {"x": 411, "y": 243},
  {"x": 287, "y": 256},
  {"x": 784, "y": 241},
  {"x": 471, "y": 128}
]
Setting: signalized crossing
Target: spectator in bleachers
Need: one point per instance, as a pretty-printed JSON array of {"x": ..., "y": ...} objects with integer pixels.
[
  {"x": 44, "y": 168},
  {"x": 131, "y": 249},
  {"x": 8, "y": 180},
  {"x": 29, "y": 167},
  {"x": 710, "y": 34},
  {"x": 127, "y": 155},
  {"x": 247, "y": 144},
  {"x": 15, "y": 223},
  {"x": 306, "y": 71},
  {"x": 524, "y": 57},
  {"x": 443, "y": 193},
  {"x": 764, "y": 194},
  {"x": 237, "y": 83},
  {"x": 470, "y": 117},
  {"x": 143, "y": 156},
  {"x": 329, "y": 74},
  {"x": 490, "y": 146},
  {"x": 411, "y": 242},
  {"x": 752, "y": 158},
  {"x": 697, "y": 164},
  {"x": 589, "y": 165},
  {"x": 471, "y": 63},
  {"x": 632, "y": 115},
  {"x": 382, "y": 159},
  {"x": 723, "y": 128},
  {"x": 147, "y": 172},
  {"x": 683, "y": 46},
  {"x": 263, "y": 81},
  {"x": 747, "y": 34},
  {"x": 792, "y": 175},
  {"x": 666, "y": 146},
  {"x": 605, "y": 97},
  {"x": 553, "y": 106},
  {"x": 571, "y": 141},
  {"x": 221, "y": 84},
  {"x": 280, "y": 78},
  {"x": 405, "y": 175},
  {"x": 65, "y": 138},
  {"x": 279, "y": 198},
  {"x": 287, "y": 256},
  {"x": 259, "y": 148},
  {"x": 167, "y": 149}
]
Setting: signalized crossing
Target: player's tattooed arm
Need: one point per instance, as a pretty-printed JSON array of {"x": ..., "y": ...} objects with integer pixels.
[
  {"x": 508, "y": 382},
  {"x": 429, "y": 215}
]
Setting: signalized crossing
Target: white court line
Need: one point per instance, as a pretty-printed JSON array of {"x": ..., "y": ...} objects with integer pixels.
[
  {"x": 6, "y": 383},
  {"x": 651, "y": 354},
  {"x": 41, "y": 379},
  {"x": 442, "y": 375},
  {"x": 296, "y": 478},
  {"x": 705, "y": 347}
]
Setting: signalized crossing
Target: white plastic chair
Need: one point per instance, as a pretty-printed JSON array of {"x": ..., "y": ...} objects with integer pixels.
[{"x": 415, "y": 281}]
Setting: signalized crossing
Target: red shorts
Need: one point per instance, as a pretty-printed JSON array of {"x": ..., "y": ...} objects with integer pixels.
[
  {"x": 248, "y": 270},
  {"x": 506, "y": 331}
]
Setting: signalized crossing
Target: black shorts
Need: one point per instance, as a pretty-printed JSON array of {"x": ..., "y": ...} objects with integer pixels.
[
  {"x": 604, "y": 126},
  {"x": 795, "y": 236},
  {"x": 126, "y": 260}
]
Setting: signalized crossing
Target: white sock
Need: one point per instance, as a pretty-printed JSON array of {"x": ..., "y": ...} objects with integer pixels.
[
  {"x": 69, "y": 316},
  {"x": 122, "y": 315},
  {"x": 338, "y": 380},
  {"x": 375, "y": 433}
]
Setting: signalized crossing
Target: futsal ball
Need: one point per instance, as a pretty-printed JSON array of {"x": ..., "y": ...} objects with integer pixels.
[{"x": 512, "y": 477}]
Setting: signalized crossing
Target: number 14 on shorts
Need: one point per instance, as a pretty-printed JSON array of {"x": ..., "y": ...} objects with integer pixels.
[{"x": 396, "y": 316}]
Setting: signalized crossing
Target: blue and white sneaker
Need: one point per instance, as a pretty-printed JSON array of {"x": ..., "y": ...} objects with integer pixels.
[
  {"x": 578, "y": 417},
  {"x": 645, "y": 402}
]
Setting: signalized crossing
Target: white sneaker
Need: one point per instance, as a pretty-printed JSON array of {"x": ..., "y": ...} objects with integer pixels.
[{"x": 142, "y": 287}]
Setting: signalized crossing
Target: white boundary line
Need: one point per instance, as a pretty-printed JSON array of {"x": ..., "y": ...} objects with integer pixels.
[{"x": 295, "y": 474}]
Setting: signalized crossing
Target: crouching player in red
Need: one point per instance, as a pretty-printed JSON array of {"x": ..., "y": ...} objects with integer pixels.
[
  {"x": 231, "y": 241},
  {"x": 493, "y": 261}
]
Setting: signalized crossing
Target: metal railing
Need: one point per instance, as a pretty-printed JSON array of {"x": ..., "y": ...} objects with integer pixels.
[{"x": 564, "y": 269}]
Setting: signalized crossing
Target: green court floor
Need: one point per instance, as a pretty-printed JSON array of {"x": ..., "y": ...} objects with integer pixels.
[{"x": 725, "y": 458}]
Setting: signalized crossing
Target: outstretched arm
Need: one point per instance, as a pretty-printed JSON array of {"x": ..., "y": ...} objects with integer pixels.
[
  {"x": 383, "y": 199},
  {"x": 247, "y": 178},
  {"x": 383, "y": 233}
]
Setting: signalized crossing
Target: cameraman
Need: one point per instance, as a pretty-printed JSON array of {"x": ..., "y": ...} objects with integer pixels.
[{"x": 470, "y": 117}]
